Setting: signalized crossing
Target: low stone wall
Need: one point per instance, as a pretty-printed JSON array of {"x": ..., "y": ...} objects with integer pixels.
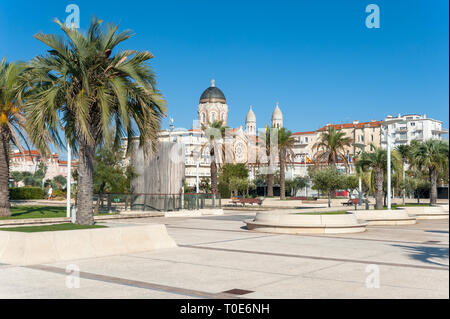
[
  {"x": 384, "y": 217},
  {"x": 194, "y": 213},
  {"x": 275, "y": 222},
  {"x": 426, "y": 212},
  {"x": 19, "y": 248}
]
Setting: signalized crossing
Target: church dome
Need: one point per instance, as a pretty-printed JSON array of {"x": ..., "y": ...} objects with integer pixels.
[
  {"x": 251, "y": 116},
  {"x": 277, "y": 115},
  {"x": 213, "y": 95}
]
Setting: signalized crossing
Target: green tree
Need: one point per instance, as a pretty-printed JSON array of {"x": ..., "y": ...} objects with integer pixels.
[
  {"x": 285, "y": 145},
  {"x": 297, "y": 183},
  {"x": 235, "y": 172},
  {"x": 327, "y": 180},
  {"x": 404, "y": 151},
  {"x": 431, "y": 156},
  {"x": 376, "y": 163},
  {"x": 331, "y": 146},
  {"x": 12, "y": 119},
  {"x": 215, "y": 144},
  {"x": 84, "y": 88}
]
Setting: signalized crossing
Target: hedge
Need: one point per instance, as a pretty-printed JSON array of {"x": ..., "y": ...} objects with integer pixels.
[{"x": 19, "y": 193}]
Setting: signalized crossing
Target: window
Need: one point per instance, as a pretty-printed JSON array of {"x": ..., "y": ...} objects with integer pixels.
[
  {"x": 203, "y": 118},
  {"x": 306, "y": 139}
]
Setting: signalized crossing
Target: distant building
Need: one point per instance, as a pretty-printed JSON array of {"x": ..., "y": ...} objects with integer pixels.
[
  {"x": 405, "y": 128},
  {"x": 29, "y": 161}
]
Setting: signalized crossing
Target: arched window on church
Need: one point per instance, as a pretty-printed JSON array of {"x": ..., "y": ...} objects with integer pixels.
[
  {"x": 223, "y": 116},
  {"x": 203, "y": 118},
  {"x": 213, "y": 117}
]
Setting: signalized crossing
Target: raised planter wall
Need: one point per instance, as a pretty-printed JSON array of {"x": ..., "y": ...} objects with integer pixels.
[
  {"x": 19, "y": 248},
  {"x": 305, "y": 224},
  {"x": 385, "y": 217}
]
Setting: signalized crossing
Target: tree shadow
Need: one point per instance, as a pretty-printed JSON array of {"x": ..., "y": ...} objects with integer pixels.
[
  {"x": 437, "y": 231},
  {"x": 426, "y": 254}
]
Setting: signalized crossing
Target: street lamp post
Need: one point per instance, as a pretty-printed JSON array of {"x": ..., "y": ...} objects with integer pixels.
[
  {"x": 388, "y": 142},
  {"x": 388, "y": 149}
]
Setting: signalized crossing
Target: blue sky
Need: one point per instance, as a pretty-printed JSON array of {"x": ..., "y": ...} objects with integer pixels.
[{"x": 317, "y": 58}]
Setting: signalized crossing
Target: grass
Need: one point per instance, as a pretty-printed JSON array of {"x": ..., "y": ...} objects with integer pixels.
[
  {"x": 21, "y": 212},
  {"x": 338, "y": 212},
  {"x": 26, "y": 212},
  {"x": 46, "y": 228}
]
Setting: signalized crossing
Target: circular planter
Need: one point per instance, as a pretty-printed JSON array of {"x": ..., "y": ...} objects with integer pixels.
[
  {"x": 426, "y": 212},
  {"x": 284, "y": 223},
  {"x": 385, "y": 217}
]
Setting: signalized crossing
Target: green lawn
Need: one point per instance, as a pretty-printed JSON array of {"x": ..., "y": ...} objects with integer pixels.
[
  {"x": 45, "y": 228},
  {"x": 338, "y": 212},
  {"x": 20, "y": 212},
  {"x": 25, "y": 212}
]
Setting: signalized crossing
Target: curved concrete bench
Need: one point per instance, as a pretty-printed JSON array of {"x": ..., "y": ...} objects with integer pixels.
[
  {"x": 305, "y": 224},
  {"x": 426, "y": 212},
  {"x": 19, "y": 248},
  {"x": 385, "y": 217}
]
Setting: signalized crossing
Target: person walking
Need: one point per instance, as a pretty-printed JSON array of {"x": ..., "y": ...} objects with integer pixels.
[{"x": 50, "y": 192}]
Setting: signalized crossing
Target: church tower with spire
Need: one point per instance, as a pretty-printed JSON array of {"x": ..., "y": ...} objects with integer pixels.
[
  {"x": 250, "y": 122},
  {"x": 277, "y": 117}
]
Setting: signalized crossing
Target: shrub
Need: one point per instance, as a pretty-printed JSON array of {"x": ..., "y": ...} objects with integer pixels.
[{"x": 19, "y": 193}]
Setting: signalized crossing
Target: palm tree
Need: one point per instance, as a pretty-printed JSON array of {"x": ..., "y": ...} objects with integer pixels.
[
  {"x": 214, "y": 145},
  {"x": 375, "y": 161},
  {"x": 12, "y": 120},
  {"x": 85, "y": 89},
  {"x": 331, "y": 147},
  {"x": 431, "y": 155},
  {"x": 404, "y": 152},
  {"x": 285, "y": 145},
  {"x": 270, "y": 173}
]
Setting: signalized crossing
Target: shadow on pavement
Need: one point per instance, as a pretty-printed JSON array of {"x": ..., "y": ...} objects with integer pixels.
[{"x": 427, "y": 254}]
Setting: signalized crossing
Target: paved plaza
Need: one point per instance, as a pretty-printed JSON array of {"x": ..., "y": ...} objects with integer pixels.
[{"x": 218, "y": 258}]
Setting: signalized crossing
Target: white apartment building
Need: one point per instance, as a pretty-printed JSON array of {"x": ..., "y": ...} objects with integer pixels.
[{"x": 405, "y": 128}]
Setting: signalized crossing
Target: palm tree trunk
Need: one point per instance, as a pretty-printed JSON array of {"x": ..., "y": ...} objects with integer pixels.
[
  {"x": 282, "y": 174},
  {"x": 379, "y": 178},
  {"x": 4, "y": 173},
  {"x": 404, "y": 186},
  {"x": 329, "y": 199},
  {"x": 85, "y": 215},
  {"x": 270, "y": 179},
  {"x": 214, "y": 177},
  {"x": 433, "y": 191}
]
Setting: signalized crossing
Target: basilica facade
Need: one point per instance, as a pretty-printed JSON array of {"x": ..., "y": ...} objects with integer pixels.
[{"x": 213, "y": 107}]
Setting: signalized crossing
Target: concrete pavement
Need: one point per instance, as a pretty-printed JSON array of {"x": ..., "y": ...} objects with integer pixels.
[{"x": 217, "y": 254}]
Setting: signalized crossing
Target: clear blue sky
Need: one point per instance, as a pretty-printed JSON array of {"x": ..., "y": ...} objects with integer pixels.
[{"x": 316, "y": 58}]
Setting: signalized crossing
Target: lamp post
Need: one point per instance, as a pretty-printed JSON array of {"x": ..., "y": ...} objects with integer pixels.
[
  {"x": 388, "y": 149},
  {"x": 388, "y": 142}
]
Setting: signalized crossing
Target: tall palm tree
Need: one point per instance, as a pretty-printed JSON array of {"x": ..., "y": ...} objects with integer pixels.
[
  {"x": 84, "y": 88},
  {"x": 215, "y": 145},
  {"x": 285, "y": 145},
  {"x": 404, "y": 151},
  {"x": 376, "y": 162},
  {"x": 12, "y": 120},
  {"x": 431, "y": 156},
  {"x": 270, "y": 173},
  {"x": 331, "y": 147}
]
